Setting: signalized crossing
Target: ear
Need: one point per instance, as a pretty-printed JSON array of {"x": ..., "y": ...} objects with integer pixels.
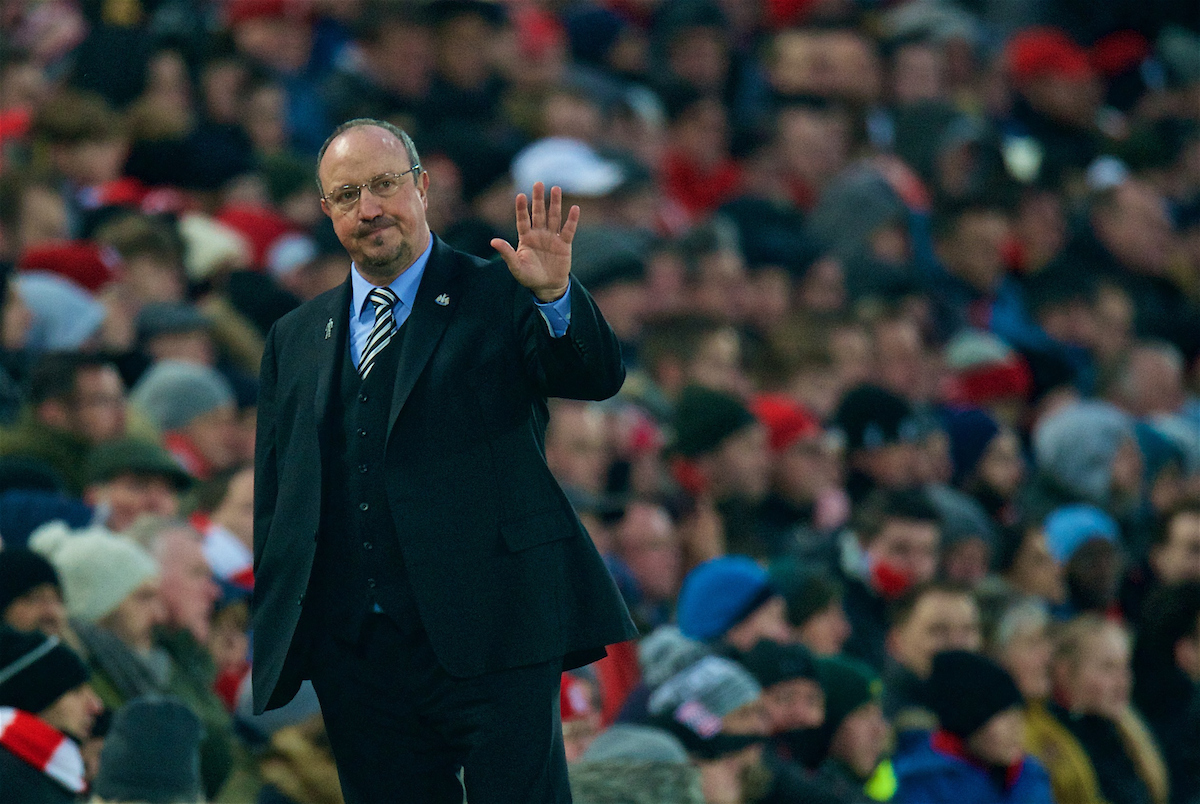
[
  {"x": 325, "y": 208},
  {"x": 423, "y": 188}
]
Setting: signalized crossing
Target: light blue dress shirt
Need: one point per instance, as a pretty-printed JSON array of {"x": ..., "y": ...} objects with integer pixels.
[{"x": 557, "y": 314}]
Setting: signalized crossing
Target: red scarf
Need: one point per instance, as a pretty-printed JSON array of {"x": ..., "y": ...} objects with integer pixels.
[
  {"x": 951, "y": 745},
  {"x": 36, "y": 742}
]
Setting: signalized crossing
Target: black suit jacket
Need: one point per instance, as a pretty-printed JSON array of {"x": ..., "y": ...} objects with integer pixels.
[{"x": 503, "y": 572}]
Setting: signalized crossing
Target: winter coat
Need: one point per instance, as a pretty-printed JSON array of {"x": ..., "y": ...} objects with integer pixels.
[
  {"x": 21, "y": 782},
  {"x": 1072, "y": 777},
  {"x": 931, "y": 775},
  {"x": 1128, "y": 764}
]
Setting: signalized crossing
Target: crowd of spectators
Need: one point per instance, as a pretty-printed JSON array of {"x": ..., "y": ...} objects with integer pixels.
[{"x": 902, "y": 489}]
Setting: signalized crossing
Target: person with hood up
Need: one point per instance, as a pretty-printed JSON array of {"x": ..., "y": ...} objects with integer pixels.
[
  {"x": 853, "y": 740},
  {"x": 1086, "y": 452},
  {"x": 978, "y": 754}
]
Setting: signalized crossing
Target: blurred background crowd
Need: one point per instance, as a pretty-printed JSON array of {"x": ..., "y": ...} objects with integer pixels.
[{"x": 902, "y": 490}]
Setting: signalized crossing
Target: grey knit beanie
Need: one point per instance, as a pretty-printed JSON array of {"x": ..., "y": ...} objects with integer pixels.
[
  {"x": 665, "y": 652},
  {"x": 173, "y": 393},
  {"x": 719, "y": 684}
]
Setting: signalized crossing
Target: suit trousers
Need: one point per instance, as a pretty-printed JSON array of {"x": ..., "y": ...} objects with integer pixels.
[{"x": 401, "y": 728}]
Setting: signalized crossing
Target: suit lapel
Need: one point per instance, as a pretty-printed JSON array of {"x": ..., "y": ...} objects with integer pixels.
[
  {"x": 328, "y": 340},
  {"x": 437, "y": 297}
]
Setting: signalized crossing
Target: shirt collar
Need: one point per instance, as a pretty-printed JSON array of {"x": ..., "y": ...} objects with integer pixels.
[{"x": 404, "y": 286}]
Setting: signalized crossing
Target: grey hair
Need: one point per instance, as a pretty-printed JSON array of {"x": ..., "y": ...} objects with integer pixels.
[
  {"x": 410, "y": 147},
  {"x": 1017, "y": 619}
]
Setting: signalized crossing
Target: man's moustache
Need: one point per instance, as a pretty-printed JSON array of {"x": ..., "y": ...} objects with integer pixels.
[{"x": 375, "y": 226}]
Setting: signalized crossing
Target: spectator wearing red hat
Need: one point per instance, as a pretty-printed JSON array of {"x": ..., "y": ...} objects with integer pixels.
[
  {"x": 1058, "y": 97},
  {"x": 806, "y": 500}
]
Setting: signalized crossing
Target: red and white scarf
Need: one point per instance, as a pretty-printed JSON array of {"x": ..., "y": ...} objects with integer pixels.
[{"x": 33, "y": 740}]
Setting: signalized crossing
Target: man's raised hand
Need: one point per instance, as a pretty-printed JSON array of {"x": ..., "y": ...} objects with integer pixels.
[{"x": 542, "y": 259}]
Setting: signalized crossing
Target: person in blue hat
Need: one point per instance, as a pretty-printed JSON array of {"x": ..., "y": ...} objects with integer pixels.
[{"x": 730, "y": 602}]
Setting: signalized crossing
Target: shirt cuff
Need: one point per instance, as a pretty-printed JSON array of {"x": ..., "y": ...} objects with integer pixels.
[{"x": 557, "y": 314}]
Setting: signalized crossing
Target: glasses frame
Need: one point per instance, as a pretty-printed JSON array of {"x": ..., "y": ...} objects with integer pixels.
[{"x": 358, "y": 188}]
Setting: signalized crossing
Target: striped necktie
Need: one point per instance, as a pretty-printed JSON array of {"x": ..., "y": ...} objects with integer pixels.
[{"x": 384, "y": 329}]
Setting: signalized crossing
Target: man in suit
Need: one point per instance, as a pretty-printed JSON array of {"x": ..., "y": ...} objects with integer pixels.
[{"x": 413, "y": 555}]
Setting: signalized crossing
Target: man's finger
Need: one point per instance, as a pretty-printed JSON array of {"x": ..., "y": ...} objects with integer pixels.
[
  {"x": 554, "y": 220},
  {"x": 507, "y": 252},
  {"x": 568, "y": 230},
  {"x": 538, "y": 202},
  {"x": 522, "y": 215}
]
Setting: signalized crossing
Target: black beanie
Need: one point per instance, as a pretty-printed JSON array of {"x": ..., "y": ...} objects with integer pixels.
[
  {"x": 36, "y": 670},
  {"x": 22, "y": 571},
  {"x": 771, "y": 663},
  {"x": 870, "y": 417},
  {"x": 704, "y": 418},
  {"x": 966, "y": 690}
]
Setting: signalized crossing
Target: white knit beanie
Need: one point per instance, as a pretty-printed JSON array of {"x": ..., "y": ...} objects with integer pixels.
[{"x": 98, "y": 568}]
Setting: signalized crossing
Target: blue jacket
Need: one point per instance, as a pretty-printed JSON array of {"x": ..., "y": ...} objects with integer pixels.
[{"x": 928, "y": 775}]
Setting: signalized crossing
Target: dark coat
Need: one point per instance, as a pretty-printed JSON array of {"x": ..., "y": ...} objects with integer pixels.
[
  {"x": 502, "y": 571},
  {"x": 20, "y": 781}
]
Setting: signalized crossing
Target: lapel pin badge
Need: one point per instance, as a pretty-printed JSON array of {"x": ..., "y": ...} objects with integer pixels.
[
  {"x": 443, "y": 300},
  {"x": 329, "y": 329}
]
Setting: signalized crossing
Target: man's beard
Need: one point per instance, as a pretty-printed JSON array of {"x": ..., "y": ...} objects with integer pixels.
[{"x": 386, "y": 265}]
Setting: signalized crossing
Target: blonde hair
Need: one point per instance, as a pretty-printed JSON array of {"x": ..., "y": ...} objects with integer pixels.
[{"x": 1069, "y": 646}]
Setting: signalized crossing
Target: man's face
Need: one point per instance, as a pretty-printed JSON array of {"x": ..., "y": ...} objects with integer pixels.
[
  {"x": 861, "y": 739},
  {"x": 383, "y": 235},
  {"x": 39, "y": 609},
  {"x": 650, "y": 548},
  {"x": 741, "y": 466},
  {"x": 75, "y": 711},
  {"x": 1000, "y": 741},
  {"x": 577, "y": 446},
  {"x": 188, "y": 591},
  {"x": 129, "y": 496},
  {"x": 798, "y": 703},
  {"x": 1179, "y": 558},
  {"x": 974, "y": 251},
  {"x": 98, "y": 412},
  {"x": 236, "y": 511},
  {"x": 215, "y": 435},
  {"x": 1138, "y": 230},
  {"x": 909, "y": 546},
  {"x": 940, "y": 621},
  {"x": 1035, "y": 572},
  {"x": 134, "y": 620},
  {"x": 825, "y": 632},
  {"x": 766, "y": 622}
]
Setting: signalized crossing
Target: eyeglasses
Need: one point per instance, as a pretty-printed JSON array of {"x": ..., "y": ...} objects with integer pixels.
[{"x": 384, "y": 185}]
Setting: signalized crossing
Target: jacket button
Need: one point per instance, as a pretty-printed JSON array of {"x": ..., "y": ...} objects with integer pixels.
[
  {"x": 363, "y": 506},
  {"x": 362, "y": 468},
  {"x": 362, "y": 433},
  {"x": 367, "y": 545},
  {"x": 371, "y": 582},
  {"x": 300, "y": 600},
  {"x": 362, "y": 397}
]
